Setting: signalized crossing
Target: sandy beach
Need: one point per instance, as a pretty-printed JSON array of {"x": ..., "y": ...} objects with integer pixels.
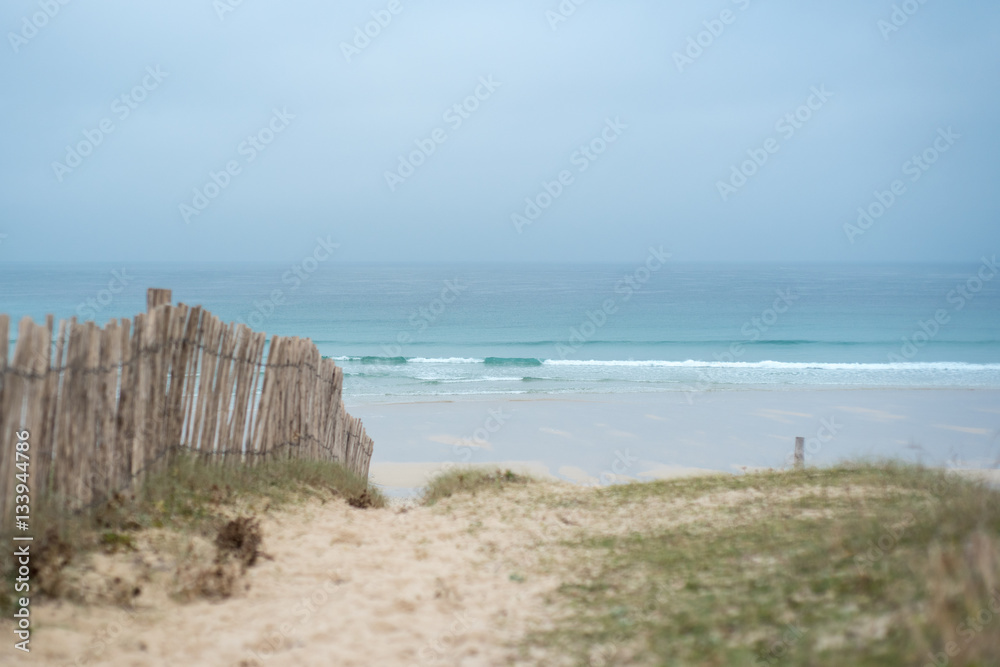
[
  {"x": 481, "y": 580},
  {"x": 407, "y": 585},
  {"x": 601, "y": 439},
  {"x": 565, "y": 333}
]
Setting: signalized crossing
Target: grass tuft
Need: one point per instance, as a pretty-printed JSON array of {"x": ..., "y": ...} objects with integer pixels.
[
  {"x": 189, "y": 496},
  {"x": 868, "y": 564},
  {"x": 240, "y": 539},
  {"x": 113, "y": 542},
  {"x": 469, "y": 480}
]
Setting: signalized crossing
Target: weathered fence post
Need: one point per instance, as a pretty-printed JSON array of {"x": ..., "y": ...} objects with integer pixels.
[
  {"x": 157, "y": 297},
  {"x": 800, "y": 453},
  {"x": 115, "y": 403}
]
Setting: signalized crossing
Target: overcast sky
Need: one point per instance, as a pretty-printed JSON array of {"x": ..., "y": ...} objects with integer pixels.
[{"x": 183, "y": 86}]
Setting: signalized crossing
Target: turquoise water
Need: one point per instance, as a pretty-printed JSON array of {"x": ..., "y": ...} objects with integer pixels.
[{"x": 448, "y": 330}]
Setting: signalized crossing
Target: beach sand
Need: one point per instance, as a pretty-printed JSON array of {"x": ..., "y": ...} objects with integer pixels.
[
  {"x": 601, "y": 439},
  {"x": 461, "y": 582},
  {"x": 345, "y": 587},
  {"x": 453, "y": 584}
]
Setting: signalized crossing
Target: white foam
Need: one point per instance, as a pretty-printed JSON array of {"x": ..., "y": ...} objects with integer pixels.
[{"x": 783, "y": 365}]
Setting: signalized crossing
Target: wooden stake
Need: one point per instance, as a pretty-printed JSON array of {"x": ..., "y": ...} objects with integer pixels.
[
  {"x": 115, "y": 402},
  {"x": 157, "y": 297}
]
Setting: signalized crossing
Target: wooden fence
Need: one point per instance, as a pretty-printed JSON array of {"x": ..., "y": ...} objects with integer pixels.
[{"x": 104, "y": 407}]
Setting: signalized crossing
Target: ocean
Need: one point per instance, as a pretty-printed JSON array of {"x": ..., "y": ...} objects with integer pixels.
[{"x": 422, "y": 332}]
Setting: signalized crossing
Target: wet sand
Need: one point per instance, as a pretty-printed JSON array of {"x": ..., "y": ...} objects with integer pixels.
[{"x": 599, "y": 439}]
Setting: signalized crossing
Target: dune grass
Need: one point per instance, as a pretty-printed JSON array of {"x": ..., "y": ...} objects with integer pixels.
[
  {"x": 853, "y": 565},
  {"x": 468, "y": 480},
  {"x": 189, "y": 489},
  {"x": 867, "y": 564},
  {"x": 190, "y": 494},
  {"x": 187, "y": 496}
]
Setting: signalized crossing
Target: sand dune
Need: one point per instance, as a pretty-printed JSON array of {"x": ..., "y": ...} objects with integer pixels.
[
  {"x": 402, "y": 586},
  {"x": 459, "y": 583}
]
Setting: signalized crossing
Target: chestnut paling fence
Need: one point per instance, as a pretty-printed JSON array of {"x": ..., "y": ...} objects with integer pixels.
[{"x": 106, "y": 406}]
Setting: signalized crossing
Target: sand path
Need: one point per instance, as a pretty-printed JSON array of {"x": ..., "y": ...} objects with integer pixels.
[
  {"x": 445, "y": 585},
  {"x": 459, "y": 583}
]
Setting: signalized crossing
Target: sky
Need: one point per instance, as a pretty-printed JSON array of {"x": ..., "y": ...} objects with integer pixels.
[{"x": 523, "y": 130}]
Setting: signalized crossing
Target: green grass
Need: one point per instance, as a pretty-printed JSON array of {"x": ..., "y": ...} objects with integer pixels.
[
  {"x": 187, "y": 496},
  {"x": 779, "y": 574},
  {"x": 875, "y": 474},
  {"x": 468, "y": 480},
  {"x": 113, "y": 542},
  {"x": 191, "y": 490}
]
